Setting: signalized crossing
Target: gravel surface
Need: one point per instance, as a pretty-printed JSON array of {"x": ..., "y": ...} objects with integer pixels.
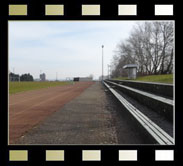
[{"x": 94, "y": 117}]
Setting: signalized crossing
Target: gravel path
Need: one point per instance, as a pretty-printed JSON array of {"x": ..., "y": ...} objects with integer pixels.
[{"x": 93, "y": 117}]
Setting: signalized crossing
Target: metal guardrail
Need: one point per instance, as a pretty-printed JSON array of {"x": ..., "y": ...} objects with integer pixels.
[{"x": 154, "y": 130}]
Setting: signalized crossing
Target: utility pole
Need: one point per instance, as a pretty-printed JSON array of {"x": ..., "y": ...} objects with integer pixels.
[
  {"x": 108, "y": 70},
  {"x": 102, "y": 63}
]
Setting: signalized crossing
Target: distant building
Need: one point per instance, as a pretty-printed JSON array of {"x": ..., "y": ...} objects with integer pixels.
[
  {"x": 76, "y": 79},
  {"x": 82, "y": 79},
  {"x": 43, "y": 77}
]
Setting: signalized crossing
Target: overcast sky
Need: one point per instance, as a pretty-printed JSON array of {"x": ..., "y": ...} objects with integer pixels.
[{"x": 68, "y": 48}]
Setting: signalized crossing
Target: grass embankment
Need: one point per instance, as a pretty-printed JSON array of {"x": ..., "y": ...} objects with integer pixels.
[
  {"x": 15, "y": 87},
  {"x": 166, "y": 78}
]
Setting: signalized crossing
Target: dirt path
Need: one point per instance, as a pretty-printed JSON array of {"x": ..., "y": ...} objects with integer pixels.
[{"x": 28, "y": 109}]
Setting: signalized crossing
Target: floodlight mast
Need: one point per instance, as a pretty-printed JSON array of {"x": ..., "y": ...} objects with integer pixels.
[
  {"x": 108, "y": 71},
  {"x": 102, "y": 63}
]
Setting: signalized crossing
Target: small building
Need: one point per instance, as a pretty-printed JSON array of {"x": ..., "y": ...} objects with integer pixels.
[
  {"x": 76, "y": 79},
  {"x": 132, "y": 70},
  {"x": 83, "y": 79},
  {"x": 43, "y": 77}
]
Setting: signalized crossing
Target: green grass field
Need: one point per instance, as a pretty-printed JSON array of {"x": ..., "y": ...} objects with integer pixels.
[
  {"x": 166, "y": 78},
  {"x": 15, "y": 87}
]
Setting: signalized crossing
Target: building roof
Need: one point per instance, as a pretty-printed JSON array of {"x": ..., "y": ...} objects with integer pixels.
[{"x": 130, "y": 66}]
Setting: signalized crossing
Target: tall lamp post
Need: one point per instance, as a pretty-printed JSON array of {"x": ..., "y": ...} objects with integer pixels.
[
  {"x": 102, "y": 63},
  {"x": 108, "y": 70}
]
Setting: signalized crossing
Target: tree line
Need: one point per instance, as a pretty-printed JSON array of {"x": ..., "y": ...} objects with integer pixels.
[
  {"x": 23, "y": 77},
  {"x": 150, "y": 45}
]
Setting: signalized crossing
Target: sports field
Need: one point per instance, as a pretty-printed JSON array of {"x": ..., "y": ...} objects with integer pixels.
[{"x": 15, "y": 87}]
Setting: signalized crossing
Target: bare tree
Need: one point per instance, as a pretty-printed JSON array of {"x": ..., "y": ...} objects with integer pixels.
[{"x": 150, "y": 45}]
